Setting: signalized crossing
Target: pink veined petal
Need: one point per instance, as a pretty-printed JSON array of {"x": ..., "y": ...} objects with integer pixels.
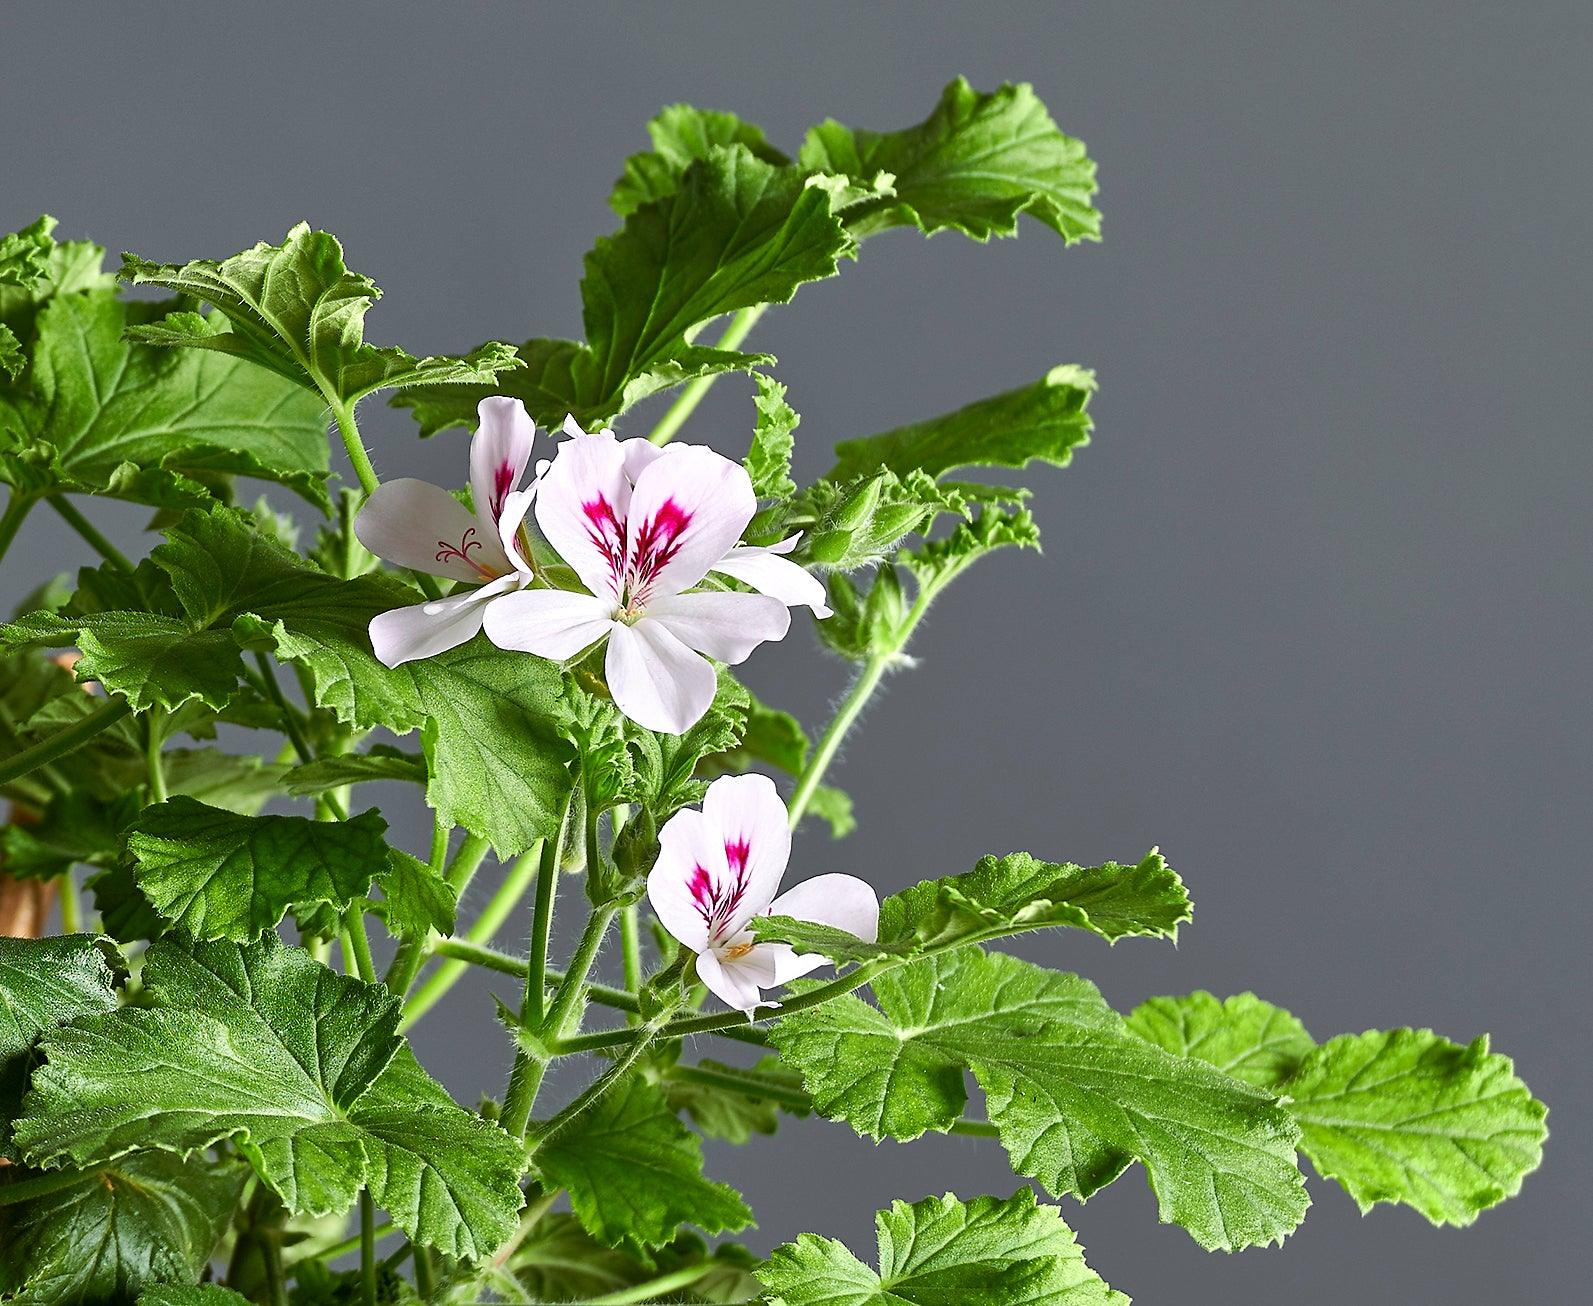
[
  {"x": 499, "y": 452},
  {"x": 722, "y": 625},
  {"x": 550, "y": 623},
  {"x": 768, "y": 573},
  {"x": 425, "y": 629},
  {"x": 843, "y": 901},
  {"x": 515, "y": 506},
  {"x": 582, "y": 506},
  {"x": 751, "y": 820},
  {"x": 419, "y": 525},
  {"x": 656, "y": 680},
  {"x": 690, "y": 883},
  {"x": 730, "y": 983},
  {"x": 687, "y": 511}
]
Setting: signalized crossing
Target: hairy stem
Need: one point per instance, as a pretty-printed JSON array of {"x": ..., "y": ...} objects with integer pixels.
[
  {"x": 354, "y": 446},
  {"x": 492, "y": 917},
  {"x": 84, "y": 527},
  {"x": 17, "y": 510},
  {"x": 358, "y": 942},
  {"x": 291, "y": 725},
  {"x": 631, "y": 946},
  {"x": 830, "y": 742},
  {"x": 692, "y": 393},
  {"x": 656, "y": 1288},
  {"x": 63, "y": 741}
]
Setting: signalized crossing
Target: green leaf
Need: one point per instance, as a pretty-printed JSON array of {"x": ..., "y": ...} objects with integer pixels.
[
  {"x": 204, "y": 1294},
  {"x": 560, "y": 1262},
  {"x": 150, "y": 1218},
  {"x": 738, "y": 232},
  {"x": 1243, "y": 1036},
  {"x": 103, "y": 416},
  {"x": 634, "y": 1172},
  {"x": 224, "y": 876},
  {"x": 723, "y": 1112},
  {"x": 415, "y": 898},
  {"x": 1406, "y": 1116},
  {"x": 1003, "y": 895},
  {"x": 682, "y": 135},
  {"x": 856, "y": 523},
  {"x": 975, "y": 164},
  {"x": 43, "y": 984},
  {"x": 666, "y": 766},
  {"x": 1074, "y": 1096},
  {"x": 25, "y": 254},
  {"x": 768, "y": 462},
  {"x": 34, "y": 268},
  {"x": 12, "y": 361},
  {"x": 1042, "y": 422},
  {"x": 941, "y": 1251},
  {"x": 296, "y": 309},
  {"x": 380, "y": 763},
  {"x": 300, "y": 1068}
]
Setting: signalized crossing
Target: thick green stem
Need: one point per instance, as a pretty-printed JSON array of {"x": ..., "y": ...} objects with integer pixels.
[
  {"x": 359, "y": 943},
  {"x": 63, "y": 741},
  {"x": 475, "y": 954},
  {"x": 154, "y": 767},
  {"x": 656, "y": 1288},
  {"x": 692, "y": 393},
  {"x": 425, "y": 1273},
  {"x": 531, "y": 1008},
  {"x": 84, "y": 527},
  {"x": 276, "y": 1287},
  {"x": 367, "y": 1248},
  {"x": 631, "y": 946},
  {"x": 17, "y": 510},
  {"x": 643, "y": 1038},
  {"x": 492, "y": 917},
  {"x": 71, "y": 904}
]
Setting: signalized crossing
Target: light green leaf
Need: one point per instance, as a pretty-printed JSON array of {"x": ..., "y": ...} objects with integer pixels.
[
  {"x": 738, "y": 232},
  {"x": 415, "y": 898},
  {"x": 25, "y": 254},
  {"x": 296, "y": 309},
  {"x": 850, "y": 524},
  {"x": 300, "y": 1068},
  {"x": 944, "y": 1252},
  {"x": 1003, "y": 895},
  {"x": 150, "y": 1218},
  {"x": 682, "y": 135},
  {"x": 634, "y": 1172},
  {"x": 1405, "y": 1116},
  {"x": 34, "y": 267},
  {"x": 11, "y": 358},
  {"x": 43, "y": 984},
  {"x": 220, "y": 875},
  {"x": 103, "y": 416},
  {"x": 768, "y": 462},
  {"x": 1045, "y": 421},
  {"x": 975, "y": 164},
  {"x": 380, "y": 763},
  {"x": 1074, "y": 1096},
  {"x": 1243, "y": 1036},
  {"x": 720, "y": 1111}
]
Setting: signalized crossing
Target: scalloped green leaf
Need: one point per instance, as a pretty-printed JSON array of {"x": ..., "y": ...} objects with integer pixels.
[{"x": 1242, "y": 1036}]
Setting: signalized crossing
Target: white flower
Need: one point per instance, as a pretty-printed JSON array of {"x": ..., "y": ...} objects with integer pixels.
[
  {"x": 421, "y": 526},
  {"x": 640, "y": 526},
  {"x": 720, "y": 867}
]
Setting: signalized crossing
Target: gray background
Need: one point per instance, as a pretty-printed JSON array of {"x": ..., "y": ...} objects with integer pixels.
[{"x": 1313, "y": 614}]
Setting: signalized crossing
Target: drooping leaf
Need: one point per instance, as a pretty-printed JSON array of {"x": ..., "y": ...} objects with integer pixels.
[
  {"x": 1405, "y": 1116},
  {"x": 942, "y": 1251},
  {"x": 296, "y": 309},
  {"x": 148, "y": 1219},
  {"x": 1074, "y": 1096},
  {"x": 681, "y": 135},
  {"x": 224, "y": 876},
  {"x": 101, "y": 415},
  {"x": 1243, "y": 1036},
  {"x": 737, "y": 232},
  {"x": 1044, "y": 421},
  {"x": 43, "y": 984},
  {"x": 975, "y": 164},
  {"x": 634, "y": 1172},
  {"x": 300, "y": 1068}
]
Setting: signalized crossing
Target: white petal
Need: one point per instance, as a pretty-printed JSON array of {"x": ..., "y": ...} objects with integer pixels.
[
  {"x": 656, "y": 680},
  {"x": 550, "y": 623},
  {"x": 582, "y": 506},
  {"x": 499, "y": 452},
  {"x": 771, "y": 574},
  {"x": 688, "y": 510},
  {"x": 730, "y": 983},
  {"x": 752, "y": 822},
  {"x": 420, "y": 525},
  {"x": 405, "y": 634},
  {"x": 639, "y": 455},
  {"x": 722, "y": 625},
  {"x": 788, "y": 964},
  {"x": 515, "y": 506},
  {"x": 690, "y": 879},
  {"x": 843, "y": 901}
]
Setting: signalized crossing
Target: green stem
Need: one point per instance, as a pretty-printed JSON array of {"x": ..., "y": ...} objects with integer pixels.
[
  {"x": 63, "y": 741},
  {"x": 154, "y": 768},
  {"x": 830, "y": 742},
  {"x": 692, "y": 394},
  {"x": 655, "y": 1288},
  {"x": 310, "y": 1251},
  {"x": 291, "y": 726},
  {"x": 631, "y": 946},
  {"x": 71, "y": 905},
  {"x": 425, "y": 1272},
  {"x": 572, "y": 992},
  {"x": 271, "y": 1259},
  {"x": 17, "y": 510},
  {"x": 359, "y": 942},
  {"x": 354, "y": 445},
  {"x": 475, "y": 954},
  {"x": 84, "y": 527},
  {"x": 642, "y": 1038},
  {"x": 492, "y": 917},
  {"x": 367, "y": 1248}
]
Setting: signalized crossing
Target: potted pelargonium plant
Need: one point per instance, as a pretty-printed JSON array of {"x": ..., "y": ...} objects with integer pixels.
[{"x": 206, "y": 1090}]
